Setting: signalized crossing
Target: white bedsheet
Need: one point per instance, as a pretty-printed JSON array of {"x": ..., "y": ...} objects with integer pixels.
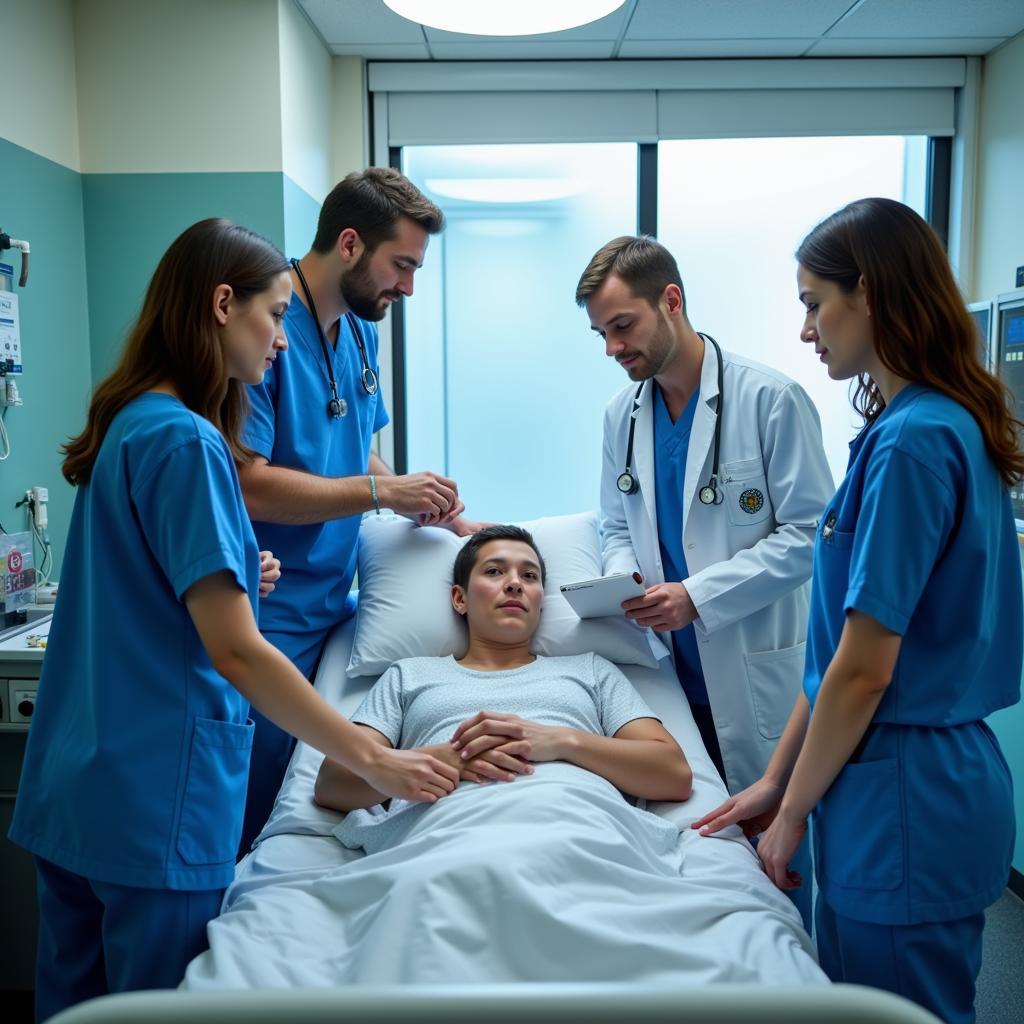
[{"x": 563, "y": 890}]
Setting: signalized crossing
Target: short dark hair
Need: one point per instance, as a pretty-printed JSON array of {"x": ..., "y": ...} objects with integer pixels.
[
  {"x": 372, "y": 202},
  {"x": 467, "y": 556},
  {"x": 641, "y": 261}
]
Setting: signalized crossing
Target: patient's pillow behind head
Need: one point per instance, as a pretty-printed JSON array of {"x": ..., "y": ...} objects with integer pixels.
[{"x": 405, "y": 609}]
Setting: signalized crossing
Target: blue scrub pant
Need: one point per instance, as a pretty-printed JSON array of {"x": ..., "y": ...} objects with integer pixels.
[
  {"x": 96, "y": 938},
  {"x": 934, "y": 965},
  {"x": 271, "y": 746}
]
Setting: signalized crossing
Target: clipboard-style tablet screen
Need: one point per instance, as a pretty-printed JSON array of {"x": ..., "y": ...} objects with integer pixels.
[{"x": 591, "y": 599}]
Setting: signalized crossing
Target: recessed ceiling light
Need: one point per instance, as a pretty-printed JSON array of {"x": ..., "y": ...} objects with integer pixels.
[{"x": 506, "y": 18}]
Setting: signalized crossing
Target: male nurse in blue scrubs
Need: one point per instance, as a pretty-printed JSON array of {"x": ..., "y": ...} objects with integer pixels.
[{"x": 311, "y": 424}]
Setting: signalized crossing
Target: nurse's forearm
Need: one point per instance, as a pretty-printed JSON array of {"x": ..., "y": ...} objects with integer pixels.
[
  {"x": 341, "y": 789},
  {"x": 267, "y": 679},
  {"x": 278, "y": 494},
  {"x": 851, "y": 690}
]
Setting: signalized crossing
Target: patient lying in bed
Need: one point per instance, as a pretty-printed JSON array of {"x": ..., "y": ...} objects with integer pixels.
[
  {"x": 579, "y": 711},
  {"x": 553, "y": 876}
]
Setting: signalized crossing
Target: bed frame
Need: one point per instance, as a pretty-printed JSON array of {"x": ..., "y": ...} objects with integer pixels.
[{"x": 506, "y": 1004}]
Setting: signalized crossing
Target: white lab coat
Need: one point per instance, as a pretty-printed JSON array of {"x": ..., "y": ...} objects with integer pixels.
[{"x": 749, "y": 571}]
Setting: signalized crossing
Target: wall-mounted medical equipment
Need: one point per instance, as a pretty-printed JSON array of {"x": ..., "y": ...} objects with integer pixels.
[
  {"x": 17, "y": 576},
  {"x": 6, "y": 242},
  {"x": 1008, "y": 349}
]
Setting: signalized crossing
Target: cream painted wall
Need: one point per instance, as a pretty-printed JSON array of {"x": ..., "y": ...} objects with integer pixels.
[
  {"x": 999, "y": 202},
  {"x": 40, "y": 108},
  {"x": 305, "y": 103},
  {"x": 350, "y": 132},
  {"x": 174, "y": 86}
]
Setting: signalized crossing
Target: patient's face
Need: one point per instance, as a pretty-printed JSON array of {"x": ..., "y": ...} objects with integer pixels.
[{"x": 505, "y": 592}]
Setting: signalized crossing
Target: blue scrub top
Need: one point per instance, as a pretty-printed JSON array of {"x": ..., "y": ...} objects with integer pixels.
[
  {"x": 137, "y": 760},
  {"x": 920, "y": 536},
  {"x": 289, "y": 426},
  {"x": 671, "y": 441}
]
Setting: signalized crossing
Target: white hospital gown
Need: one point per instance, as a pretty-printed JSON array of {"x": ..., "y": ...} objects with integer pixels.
[{"x": 421, "y": 701}]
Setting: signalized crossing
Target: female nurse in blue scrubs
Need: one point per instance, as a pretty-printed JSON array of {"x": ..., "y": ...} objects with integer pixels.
[
  {"x": 134, "y": 780},
  {"x": 915, "y": 631}
]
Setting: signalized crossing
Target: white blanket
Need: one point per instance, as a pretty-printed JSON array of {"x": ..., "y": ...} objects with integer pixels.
[{"x": 549, "y": 878}]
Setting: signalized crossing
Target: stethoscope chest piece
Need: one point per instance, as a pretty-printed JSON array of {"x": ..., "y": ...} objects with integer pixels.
[
  {"x": 337, "y": 408},
  {"x": 708, "y": 495},
  {"x": 369, "y": 379},
  {"x": 626, "y": 483}
]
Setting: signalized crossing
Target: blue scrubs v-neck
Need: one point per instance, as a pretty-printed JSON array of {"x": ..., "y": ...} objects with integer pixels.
[
  {"x": 289, "y": 426},
  {"x": 671, "y": 441}
]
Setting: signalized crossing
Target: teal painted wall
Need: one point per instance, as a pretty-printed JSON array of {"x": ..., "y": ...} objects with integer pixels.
[
  {"x": 41, "y": 201},
  {"x": 131, "y": 219},
  {"x": 301, "y": 212}
]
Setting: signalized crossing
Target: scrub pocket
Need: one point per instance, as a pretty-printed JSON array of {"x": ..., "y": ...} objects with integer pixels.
[
  {"x": 860, "y": 827},
  {"x": 746, "y": 492},
  {"x": 774, "y": 681},
  {"x": 214, "y": 801}
]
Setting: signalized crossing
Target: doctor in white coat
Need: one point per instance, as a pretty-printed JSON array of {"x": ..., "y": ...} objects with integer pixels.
[{"x": 715, "y": 502}]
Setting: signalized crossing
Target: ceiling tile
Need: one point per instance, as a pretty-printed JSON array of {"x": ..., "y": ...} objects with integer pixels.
[
  {"x": 957, "y": 47},
  {"x": 383, "y": 51},
  {"x": 732, "y": 19},
  {"x": 710, "y": 48},
  {"x": 607, "y": 27},
  {"x": 944, "y": 19},
  {"x": 346, "y": 22},
  {"x": 527, "y": 50}
]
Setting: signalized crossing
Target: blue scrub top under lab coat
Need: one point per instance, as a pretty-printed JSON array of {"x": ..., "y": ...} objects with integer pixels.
[
  {"x": 137, "y": 759},
  {"x": 920, "y": 536},
  {"x": 671, "y": 441},
  {"x": 289, "y": 426}
]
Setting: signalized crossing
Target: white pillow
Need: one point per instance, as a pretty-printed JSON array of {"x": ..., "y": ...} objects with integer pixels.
[{"x": 405, "y": 611}]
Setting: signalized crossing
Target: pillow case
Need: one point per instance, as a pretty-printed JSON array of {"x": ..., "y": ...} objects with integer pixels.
[{"x": 404, "y": 608}]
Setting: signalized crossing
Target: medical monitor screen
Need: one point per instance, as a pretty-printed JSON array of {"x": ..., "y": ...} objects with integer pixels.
[{"x": 1011, "y": 369}]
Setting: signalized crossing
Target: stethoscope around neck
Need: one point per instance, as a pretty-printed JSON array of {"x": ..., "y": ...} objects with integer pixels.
[
  {"x": 337, "y": 406},
  {"x": 708, "y": 494}
]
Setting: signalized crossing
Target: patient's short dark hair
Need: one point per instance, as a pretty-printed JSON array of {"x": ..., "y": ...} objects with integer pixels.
[{"x": 466, "y": 558}]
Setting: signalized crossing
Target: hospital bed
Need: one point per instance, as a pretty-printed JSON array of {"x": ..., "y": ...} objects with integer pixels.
[{"x": 270, "y": 958}]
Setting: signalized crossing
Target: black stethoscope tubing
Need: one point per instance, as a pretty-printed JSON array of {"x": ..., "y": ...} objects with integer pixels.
[
  {"x": 336, "y": 407},
  {"x": 708, "y": 494}
]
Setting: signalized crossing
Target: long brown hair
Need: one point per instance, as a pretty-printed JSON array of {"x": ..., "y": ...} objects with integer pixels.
[
  {"x": 922, "y": 330},
  {"x": 175, "y": 337}
]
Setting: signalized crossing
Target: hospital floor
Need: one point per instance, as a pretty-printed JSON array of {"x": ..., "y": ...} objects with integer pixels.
[{"x": 1000, "y": 986}]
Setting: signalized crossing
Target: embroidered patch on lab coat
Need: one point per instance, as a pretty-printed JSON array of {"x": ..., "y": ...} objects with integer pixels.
[{"x": 751, "y": 500}]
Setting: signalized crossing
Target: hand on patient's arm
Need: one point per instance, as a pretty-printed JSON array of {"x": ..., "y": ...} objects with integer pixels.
[
  {"x": 665, "y": 607},
  {"x": 641, "y": 759}
]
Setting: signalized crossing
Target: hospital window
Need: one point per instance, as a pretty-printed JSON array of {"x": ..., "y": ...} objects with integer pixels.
[{"x": 505, "y": 383}]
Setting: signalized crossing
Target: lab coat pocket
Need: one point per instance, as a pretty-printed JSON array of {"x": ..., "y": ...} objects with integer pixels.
[
  {"x": 774, "y": 681},
  {"x": 218, "y": 772},
  {"x": 861, "y": 827},
  {"x": 746, "y": 492}
]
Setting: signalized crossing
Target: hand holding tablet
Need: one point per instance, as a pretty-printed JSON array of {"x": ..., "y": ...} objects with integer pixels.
[{"x": 591, "y": 599}]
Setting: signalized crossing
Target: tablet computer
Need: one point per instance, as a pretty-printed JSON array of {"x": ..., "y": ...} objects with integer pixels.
[{"x": 591, "y": 599}]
